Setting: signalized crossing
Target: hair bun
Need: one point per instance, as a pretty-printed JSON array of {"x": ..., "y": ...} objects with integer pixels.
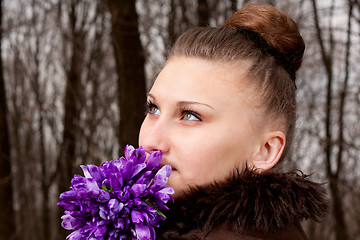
[{"x": 278, "y": 30}]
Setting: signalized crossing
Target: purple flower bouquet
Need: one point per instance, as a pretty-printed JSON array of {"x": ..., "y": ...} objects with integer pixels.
[{"x": 121, "y": 199}]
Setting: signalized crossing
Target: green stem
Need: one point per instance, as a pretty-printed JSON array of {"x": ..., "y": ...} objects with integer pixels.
[{"x": 157, "y": 210}]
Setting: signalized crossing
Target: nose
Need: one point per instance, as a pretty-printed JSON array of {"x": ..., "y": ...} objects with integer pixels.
[{"x": 154, "y": 135}]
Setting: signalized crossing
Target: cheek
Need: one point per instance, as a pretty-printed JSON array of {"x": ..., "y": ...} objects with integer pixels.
[
  {"x": 207, "y": 158},
  {"x": 218, "y": 153}
]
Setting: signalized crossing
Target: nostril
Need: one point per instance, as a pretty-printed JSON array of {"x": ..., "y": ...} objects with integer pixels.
[{"x": 150, "y": 151}]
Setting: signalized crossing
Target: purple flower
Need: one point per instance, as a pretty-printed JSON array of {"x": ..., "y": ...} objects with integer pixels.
[{"x": 121, "y": 199}]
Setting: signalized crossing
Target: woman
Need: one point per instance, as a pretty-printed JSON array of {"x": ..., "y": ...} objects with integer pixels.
[{"x": 223, "y": 112}]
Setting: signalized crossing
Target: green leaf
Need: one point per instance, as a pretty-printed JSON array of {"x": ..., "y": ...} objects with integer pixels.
[
  {"x": 108, "y": 190},
  {"x": 157, "y": 210}
]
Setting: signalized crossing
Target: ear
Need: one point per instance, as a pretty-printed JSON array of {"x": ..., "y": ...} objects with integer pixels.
[{"x": 270, "y": 151}]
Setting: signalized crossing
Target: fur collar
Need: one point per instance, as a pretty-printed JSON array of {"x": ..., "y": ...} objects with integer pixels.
[{"x": 248, "y": 201}]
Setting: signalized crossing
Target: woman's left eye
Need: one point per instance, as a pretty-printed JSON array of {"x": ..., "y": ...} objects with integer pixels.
[{"x": 190, "y": 116}]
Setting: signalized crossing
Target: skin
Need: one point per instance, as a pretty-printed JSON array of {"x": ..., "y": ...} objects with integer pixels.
[{"x": 203, "y": 117}]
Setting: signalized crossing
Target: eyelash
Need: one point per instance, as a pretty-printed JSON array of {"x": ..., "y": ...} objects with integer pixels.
[
  {"x": 149, "y": 104},
  {"x": 184, "y": 111},
  {"x": 192, "y": 112}
]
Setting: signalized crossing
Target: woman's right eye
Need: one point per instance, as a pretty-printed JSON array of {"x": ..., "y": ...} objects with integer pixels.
[{"x": 153, "y": 109}]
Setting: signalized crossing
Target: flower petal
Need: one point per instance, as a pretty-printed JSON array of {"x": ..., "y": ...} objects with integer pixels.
[
  {"x": 75, "y": 236},
  {"x": 163, "y": 197},
  {"x": 70, "y": 195},
  {"x": 78, "y": 182},
  {"x": 167, "y": 190},
  {"x": 69, "y": 206},
  {"x": 138, "y": 189},
  {"x": 81, "y": 183},
  {"x": 138, "y": 156},
  {"x": 127, "y": 171},
  {"x": 145, "y": 177},
  {"x": 71, "y": 223},
  {"x": 129, "y": 151},
  {"x": 143, "y": 232},
  {"x": 162, "y": 176},
  {"x": 104, "y": 196},
  {"x": 115, "y": 206},
  {"x": 137, "y": 217},
  {"x": 96, "y": 173},
  {"x": 100, "y": 232},
  {"x": 154, "y": 160},
  {"x": 85, "y": 170},
  {"x": 124, "y": 195},
  {"x": 137, "y": 169},
  {"x": 116, "y": 180},
  {"x": 120, "y": 163},
  {"x": 119, "y": 223}
]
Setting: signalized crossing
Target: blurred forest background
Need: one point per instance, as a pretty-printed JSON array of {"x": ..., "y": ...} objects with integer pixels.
[{"x": 73, "y": 80}]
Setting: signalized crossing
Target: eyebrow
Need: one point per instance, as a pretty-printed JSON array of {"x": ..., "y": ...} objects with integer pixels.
[{"x": 182, "y": 103}]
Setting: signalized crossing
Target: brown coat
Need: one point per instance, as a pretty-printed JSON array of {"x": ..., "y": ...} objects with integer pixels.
[{"x": 248, "y": 206}]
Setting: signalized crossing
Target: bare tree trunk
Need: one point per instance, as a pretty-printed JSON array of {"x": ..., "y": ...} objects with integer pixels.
[
  {"x": 234, "y": 5},
  {"x": 17, "y": 157},
  {"x": 179, "y": 21},
  {"x": 129, "y": 56},
  {"x": 45, "y": 187},
  {"x": 340, "y": 225},
  {"x": 67, "y": 155},
  {"x": 245, "y": 2},
  {"x": 203, "y": 12},
  {"x": 185, "y": 22},
  {"x": 72, "y": 101},
  {"x": 171, "y": 26},
  {"x": 343, "y": 234},
  {"x": 7, "y": 216},
  {"x": 343, "y": 95},
  {"x": 271, "y": 2},
  {"x": 93, "y": 79}
]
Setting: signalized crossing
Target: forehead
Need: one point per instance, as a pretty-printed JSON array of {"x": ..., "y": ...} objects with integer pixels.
[{"x": 201, "y": 79}]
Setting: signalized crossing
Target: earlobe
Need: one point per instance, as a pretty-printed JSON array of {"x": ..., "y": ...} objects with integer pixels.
[{"x": 270, "y": 151}]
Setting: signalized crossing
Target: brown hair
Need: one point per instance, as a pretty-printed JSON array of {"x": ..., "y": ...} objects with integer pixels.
[{"x": 274, "y": 85}]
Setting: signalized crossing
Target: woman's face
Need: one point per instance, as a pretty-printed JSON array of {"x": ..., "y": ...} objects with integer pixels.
[{"x": 202, "y": 119}]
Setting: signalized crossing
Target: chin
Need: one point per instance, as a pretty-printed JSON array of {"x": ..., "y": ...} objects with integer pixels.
[{"x": 172, "y": 182}]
